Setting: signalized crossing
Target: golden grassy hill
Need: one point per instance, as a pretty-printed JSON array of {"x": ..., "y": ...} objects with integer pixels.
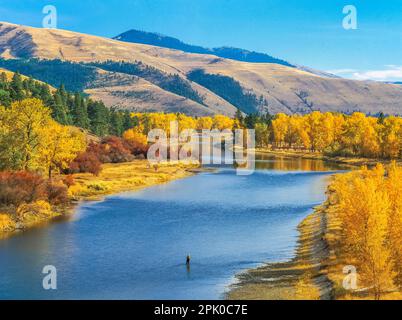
[
  {"x": 286, "y": 89},
  {"x": 134, "y": 93}
]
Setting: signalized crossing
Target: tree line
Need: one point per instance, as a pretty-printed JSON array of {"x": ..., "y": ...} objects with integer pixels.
[{"x": 334, "y": 134}]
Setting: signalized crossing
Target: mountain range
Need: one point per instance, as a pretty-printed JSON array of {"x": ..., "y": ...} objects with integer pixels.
[
  {"x": 159, "y": 40},
  {"x": 146, "y": 72}
]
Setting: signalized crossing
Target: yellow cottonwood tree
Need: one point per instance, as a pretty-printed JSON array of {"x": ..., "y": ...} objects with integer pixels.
[
  {"x": 186, "y": 122},
  {"x": 394, "y": 190},
  {"x": 360, "y": 135},
  {"x": 280, "y": 128},
  {"x": 222, "y": 122},
  {"x": 205, "y": 123},
  {"x": 59, "y": 146},
  {"x": 31, "y": 140},
  {"x": 22, "y": 125},
  {"x": 135, "y": 136},
  {"x": 391, "y": 137},
  {"x": 364, "y": 208}
]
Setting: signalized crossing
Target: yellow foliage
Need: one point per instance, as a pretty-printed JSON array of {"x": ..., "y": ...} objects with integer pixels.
[
  {"x": 59, "y": 146},
  {"x": 222, "y": 122},
  {"x": 368, "y": 204},
  {"x": 6, "y": 223},
  {"x": 337, "y": 134},
  {"x": 280, "y": 128},
  {"x": 34, "y": 212},
  {"x": 205, "y": 123},
  {"x": 305, "y": 290},
  {"x": 149, "y": 121},
  {"x": 20, "y": 135},
  {"x": 77, "y": 190},
  {"x": 31, "y": 140},
  {"x": 135, "y": 136}
]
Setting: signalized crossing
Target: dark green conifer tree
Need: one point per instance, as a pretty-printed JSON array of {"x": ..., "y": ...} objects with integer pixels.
[
  {"x": 79, "y": 112},
  {"x": 16, "y": 87},
  {"x": 116, "y": 123},
  {"x": 99, "y": 118}
]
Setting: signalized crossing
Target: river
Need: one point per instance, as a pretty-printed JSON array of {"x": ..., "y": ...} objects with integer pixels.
[{"x": 134, "y": 245}]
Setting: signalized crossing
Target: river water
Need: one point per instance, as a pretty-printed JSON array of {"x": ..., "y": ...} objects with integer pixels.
[{"x": 134, "y": 245}]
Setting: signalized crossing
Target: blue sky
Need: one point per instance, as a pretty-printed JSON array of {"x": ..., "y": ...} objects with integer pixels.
[{"x": 307, "y": 32}]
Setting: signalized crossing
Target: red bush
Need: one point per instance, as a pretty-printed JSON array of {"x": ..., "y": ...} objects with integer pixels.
[
  {"x": 56, "y": 193},
  {"x": 136, "y": 148},
  {"x": 117, "y": 150},
  {"x": 86, "y": 162},
  {"x": 109, "y": 150},
  {"x": 69, "y": 180},
  {"x": 27, "y": 187},
  {"x": 21, "y": 186},
  {"x": 99, "y": 150}
]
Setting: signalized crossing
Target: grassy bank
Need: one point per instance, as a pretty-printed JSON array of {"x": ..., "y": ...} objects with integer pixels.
[
  {"x": 114, "y": 178},
  {"x": 351, "y": 161}
]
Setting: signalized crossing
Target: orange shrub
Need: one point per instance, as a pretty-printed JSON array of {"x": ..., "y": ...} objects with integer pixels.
[
  {"x": 27, "y": 187},
  {"x": 86, "y": 162},
  {"x": 21, "y": 186}
]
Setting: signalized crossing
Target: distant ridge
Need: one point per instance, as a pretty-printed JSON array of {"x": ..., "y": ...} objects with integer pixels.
[{"x": 159, "y": 40}]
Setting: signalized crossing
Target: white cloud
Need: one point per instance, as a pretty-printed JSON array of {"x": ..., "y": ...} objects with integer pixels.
[
  {"x": 389, "y": 73},
  {"x": 393, "y": 73}
]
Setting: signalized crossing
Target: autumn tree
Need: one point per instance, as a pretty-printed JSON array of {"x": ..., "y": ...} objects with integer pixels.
[
  {"x": 136, "y": 137},
  {"x": 22, "y": 127},
  {"x": 393, "y": 186},
  {"x": 280, "y": 129},
  {"x": 390, "y": 132},
  {"x": 222, "y": 122},
  {"x": 59, "y": 146},
  {"x": 364, "y": 207},
  {"x": 205, "y": 123},
  {"x": 31, "y": 140}
]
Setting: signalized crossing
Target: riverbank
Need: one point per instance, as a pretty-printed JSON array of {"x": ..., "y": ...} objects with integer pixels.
[
  {"x": 303, "y": 277},
  {"x": 306, "y": 276},
  {"x": 114, "y": 178},
  {"x": 354, "y": 162},
  {"x": 131, "y": 176},
  {"x": 316, "y": 271}
]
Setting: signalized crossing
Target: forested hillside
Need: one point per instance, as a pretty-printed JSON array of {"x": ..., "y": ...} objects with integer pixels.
[
  {"x": 156, "y": 39},
  {"x": 74, "y": 76},
  {"x": 230, "y": 90},
  {"x": 67, "y": 108},
  {"x": 79, "y": 76},
  {"x": 169, "y": 82}
]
